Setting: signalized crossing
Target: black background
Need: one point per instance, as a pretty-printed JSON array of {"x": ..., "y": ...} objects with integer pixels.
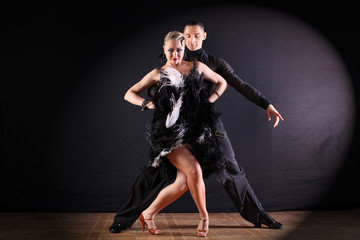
[{"x": 49, "y": 52}]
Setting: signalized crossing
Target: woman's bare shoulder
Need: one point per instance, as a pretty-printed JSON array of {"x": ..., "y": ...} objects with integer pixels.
[
  {"x": 200, "y": 65},
  {"x": 154, "y": 74}
]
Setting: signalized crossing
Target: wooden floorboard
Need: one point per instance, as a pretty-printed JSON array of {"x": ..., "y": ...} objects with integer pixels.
[{"x": 299, "y": 225}]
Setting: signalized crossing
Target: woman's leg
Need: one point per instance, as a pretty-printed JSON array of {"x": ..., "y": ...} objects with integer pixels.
[
  {"x": 168, "y": 195},
  {"x": 185, "y": 161}
]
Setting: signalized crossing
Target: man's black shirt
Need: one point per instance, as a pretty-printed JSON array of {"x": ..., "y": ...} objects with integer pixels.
[{"x": 221, "y": 67}]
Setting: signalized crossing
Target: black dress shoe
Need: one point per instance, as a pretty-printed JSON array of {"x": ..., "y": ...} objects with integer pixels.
[
  {"x": 116, "y": 228},
  {"x": 266, "y": 219}
]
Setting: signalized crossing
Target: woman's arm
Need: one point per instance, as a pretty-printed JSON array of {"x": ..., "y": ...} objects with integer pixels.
[
  {"x": 221, "y": 84},
  {"x": 132, "y": 95}
]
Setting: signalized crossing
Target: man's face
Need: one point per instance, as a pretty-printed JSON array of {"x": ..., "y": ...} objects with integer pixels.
[{"x": 194, "y": 36}]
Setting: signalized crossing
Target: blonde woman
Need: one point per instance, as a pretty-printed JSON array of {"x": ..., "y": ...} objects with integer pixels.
[{"x": 182, "y": 134}]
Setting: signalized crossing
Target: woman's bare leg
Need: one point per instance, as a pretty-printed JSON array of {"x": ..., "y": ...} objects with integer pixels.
[
  {"x": 189, "y": 176},
  {"x": 185, "y": 161},
  {"x": 168, "y": 195}
]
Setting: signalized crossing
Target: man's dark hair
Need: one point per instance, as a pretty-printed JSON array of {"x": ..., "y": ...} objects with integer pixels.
[{"x": 195, "y": 23}]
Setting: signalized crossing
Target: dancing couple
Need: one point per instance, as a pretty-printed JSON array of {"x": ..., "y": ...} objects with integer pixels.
[{"x": 186, "y": 137}]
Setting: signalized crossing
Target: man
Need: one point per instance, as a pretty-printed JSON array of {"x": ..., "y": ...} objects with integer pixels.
[
  {"x": 236, "y": 185},
  {"x": 150, "y": 183}
]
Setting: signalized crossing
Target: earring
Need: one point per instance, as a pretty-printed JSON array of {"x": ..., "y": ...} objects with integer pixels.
[{"x": 162, "y": 57}]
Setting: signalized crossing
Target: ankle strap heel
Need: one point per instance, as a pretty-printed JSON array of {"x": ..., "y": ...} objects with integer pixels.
[{"x": 202, "y": 232}]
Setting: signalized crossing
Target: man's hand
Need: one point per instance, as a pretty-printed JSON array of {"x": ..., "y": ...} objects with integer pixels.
[{"x": 272, "y": 111}]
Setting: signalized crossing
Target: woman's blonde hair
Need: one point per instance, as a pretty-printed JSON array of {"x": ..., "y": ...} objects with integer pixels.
[{"x": 175, "y": 35}]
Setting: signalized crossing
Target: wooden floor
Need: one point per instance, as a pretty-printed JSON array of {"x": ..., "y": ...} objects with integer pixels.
[{"x": 302, "y": 225}]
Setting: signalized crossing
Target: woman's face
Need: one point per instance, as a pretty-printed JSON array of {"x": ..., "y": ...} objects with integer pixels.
[{"x": 174, "y": 51}]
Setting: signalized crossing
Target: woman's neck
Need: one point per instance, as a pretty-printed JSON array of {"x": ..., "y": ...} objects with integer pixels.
[
  {"x": 183, "y": 66},
  {"x": 173, "y": 65}
]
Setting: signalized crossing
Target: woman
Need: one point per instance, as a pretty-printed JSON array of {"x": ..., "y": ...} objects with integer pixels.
[{"x": 182, "y": 134}]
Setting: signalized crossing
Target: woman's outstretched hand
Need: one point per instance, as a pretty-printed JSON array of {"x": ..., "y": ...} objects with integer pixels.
[{"x": 272, "y": 111}]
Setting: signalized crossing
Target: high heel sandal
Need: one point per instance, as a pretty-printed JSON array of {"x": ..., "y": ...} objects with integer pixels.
[
  {"x": 153, "y": 231},
  {"x": 201, "y": 232}
]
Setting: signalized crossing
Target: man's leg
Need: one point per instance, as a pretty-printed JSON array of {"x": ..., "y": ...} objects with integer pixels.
[
  {"x": 243, "y": 196},
  {"x": 145, "y": 189},
  {"x": 237, "y": 186}
]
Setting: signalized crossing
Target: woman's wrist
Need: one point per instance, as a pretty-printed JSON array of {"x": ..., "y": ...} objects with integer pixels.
[{"x": 143, "y": 104}]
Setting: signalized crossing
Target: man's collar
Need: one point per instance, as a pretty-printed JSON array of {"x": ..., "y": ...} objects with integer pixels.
[
  {"x": 199, "y": 55},
  {"x": 195, "y": 53}
]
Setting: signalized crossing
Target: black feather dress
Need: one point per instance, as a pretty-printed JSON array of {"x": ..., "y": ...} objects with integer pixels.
[{"x": 183, "y": 118}]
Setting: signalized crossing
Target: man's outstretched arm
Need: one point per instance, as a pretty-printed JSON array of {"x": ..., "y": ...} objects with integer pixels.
[{"x": 248, "y": 91}]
